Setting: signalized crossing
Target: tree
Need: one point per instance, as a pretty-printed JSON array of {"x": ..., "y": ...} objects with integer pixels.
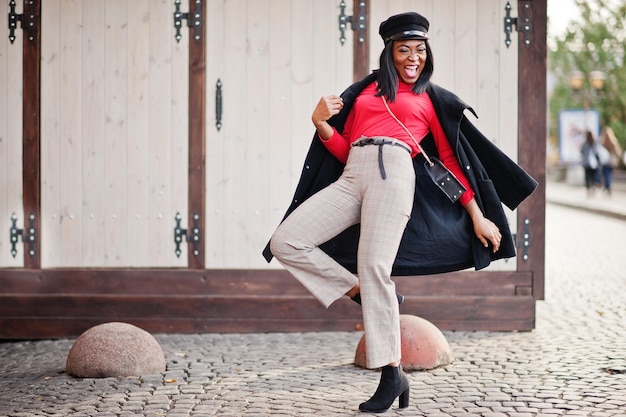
[{"x": 596, "y": 42}]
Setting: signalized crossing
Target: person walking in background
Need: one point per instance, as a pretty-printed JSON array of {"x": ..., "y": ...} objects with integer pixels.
[
  {"x": 613, "y": 153},
  {"x": 590, "y": 158},
  {"x": 365, "y": 203}
]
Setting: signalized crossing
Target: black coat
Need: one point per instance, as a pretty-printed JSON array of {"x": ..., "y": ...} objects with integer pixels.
[{"x": 439, "y": 236}]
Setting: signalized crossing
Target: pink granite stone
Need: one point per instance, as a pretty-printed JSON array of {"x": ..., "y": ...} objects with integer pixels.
[
  {"x": 422, "y": 343},
  {"x": 115, "y": 350}
]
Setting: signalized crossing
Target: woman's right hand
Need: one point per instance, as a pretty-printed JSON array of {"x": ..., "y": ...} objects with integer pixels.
[{"x": 327, "y": 107}]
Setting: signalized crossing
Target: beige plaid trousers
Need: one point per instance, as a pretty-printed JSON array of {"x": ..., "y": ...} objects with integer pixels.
[{"x": 383, "y": 207}]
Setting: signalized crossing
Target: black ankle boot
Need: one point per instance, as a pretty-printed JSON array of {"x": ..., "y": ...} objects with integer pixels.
[
  {"x": 357, "y": 298},
  {"x": 393, "y": 384}
]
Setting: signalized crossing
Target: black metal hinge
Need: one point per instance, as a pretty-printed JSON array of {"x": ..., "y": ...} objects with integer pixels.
[
  {"x": 358, "y": 22},
  {"x": 192, "y": 237},
  {"x": 523, "y": 241},
  {"x": 28, "y": 19},
  {"x": 523, "y": 24},
  {"x": 29, "y": 238},
  {"x": 194, "y": 20}
]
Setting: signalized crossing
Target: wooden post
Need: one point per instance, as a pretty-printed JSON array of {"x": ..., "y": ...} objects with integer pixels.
[
  {"x": 532, "y": 134},
  {"x": 31, "y": 136},
  {"x": 360, "y": 49},
  {"x": 197, "y": 138}
]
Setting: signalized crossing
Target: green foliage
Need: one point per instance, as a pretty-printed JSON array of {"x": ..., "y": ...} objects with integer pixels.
[{"x": 596, "y": 42}]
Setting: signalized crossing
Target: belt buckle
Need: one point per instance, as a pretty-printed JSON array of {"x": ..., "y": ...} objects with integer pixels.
[{"x": 363, "y": 141}]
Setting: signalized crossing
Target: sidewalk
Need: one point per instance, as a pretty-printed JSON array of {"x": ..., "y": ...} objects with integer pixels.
[
  {"x": 575, "y": 196},
  {"x": 572, "y": 364}
]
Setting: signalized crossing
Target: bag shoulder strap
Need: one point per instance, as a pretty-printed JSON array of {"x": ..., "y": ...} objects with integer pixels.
[{"x": 407, "y": 131}]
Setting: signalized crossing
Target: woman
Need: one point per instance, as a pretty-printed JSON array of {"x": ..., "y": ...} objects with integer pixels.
[
  {"x": 590, "y": 155},
  {"x": 613, "y": 152},
  {"x": 364, "y": 204}
]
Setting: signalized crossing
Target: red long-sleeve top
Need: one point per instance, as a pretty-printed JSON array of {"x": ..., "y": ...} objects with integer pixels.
[{"x": 369, "y": 118}]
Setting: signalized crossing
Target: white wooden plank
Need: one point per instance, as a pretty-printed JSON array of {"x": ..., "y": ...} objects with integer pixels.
[
  {"x": 324, "y": 16},
  {"x": 442, "y": 40},
  {"x": 465, "y": 52},
  {"x": 423, "y": 7},
  {"x": 488, "y": 79},
  {"x": 160, "y": 243},
  {"x": 344, "y": 59},
  {"x": 11, "y": 145},
  {"x": 303, "y": 97},
  {"x": 235, "y": 132},
  {"x": 179, "y": 145},
  {"x": 508, "y": 93},
  {"x": 92, "y": 135},
  {"x": 507, "y": 138},
  {"x": 137, "y": 231},
  {"x": 490, "y": 82},
  {"x": 70, "y": 147},
  {"x": 115, "y": 133},
  {"x": 4, "y": 153},
  {"x": 50, "y": 133},
  {"x": 14, "y": 117},
  {"x": 329, "y": 53},
  {"x": 215, "y": 225},
  {"x": 378, "y": 11},
  {"x": 280, "y": 185},
  {"x": 256, "y": 140},
  {"x": 399, "y": 6}
]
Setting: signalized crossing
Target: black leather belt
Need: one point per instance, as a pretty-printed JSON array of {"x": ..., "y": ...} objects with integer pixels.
[{"x": 380, "y": 141}]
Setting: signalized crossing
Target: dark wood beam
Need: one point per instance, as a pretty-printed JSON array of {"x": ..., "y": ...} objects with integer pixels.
[
  {"x": 360, "y": 49},
  {"x": 197, "y": 138},
  {"x": 66, "y": 302},
  {"x": 532, "y": 133},
  {"x": 31, "y": 135}
]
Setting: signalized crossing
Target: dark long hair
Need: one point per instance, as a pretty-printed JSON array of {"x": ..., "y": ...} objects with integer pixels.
[{"x": 387, "y": 76}]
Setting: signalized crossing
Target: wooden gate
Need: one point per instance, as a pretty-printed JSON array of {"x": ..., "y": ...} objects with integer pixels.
[
  {"x": 114, "y": 134},
  {"x": 253, "y": 76}
]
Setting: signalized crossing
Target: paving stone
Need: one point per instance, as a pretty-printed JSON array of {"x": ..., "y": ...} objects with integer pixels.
[{"x": 559, "y": 364}]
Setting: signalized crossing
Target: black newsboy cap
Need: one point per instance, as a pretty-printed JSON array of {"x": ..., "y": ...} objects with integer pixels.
[{"x": 408, "y": 25}]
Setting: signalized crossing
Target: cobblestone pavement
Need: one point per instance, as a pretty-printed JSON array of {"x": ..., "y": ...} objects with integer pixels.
[{"x": 572, "y": 364}]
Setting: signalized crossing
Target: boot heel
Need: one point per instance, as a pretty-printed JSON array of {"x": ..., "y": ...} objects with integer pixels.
[{"x": 403, "y": 401}]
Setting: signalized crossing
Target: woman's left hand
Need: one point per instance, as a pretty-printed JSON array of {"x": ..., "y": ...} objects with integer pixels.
[{"x": 486, "y": 231}]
